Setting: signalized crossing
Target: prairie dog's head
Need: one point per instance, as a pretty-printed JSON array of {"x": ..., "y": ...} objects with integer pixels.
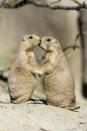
[
  {"x": 29, "y": 42},
  {"x": 49, "y": 44}
]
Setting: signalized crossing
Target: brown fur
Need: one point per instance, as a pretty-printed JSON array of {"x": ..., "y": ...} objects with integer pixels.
[
  {"x": 21, "y": 77},
  {"x": 59, "y": 81}
]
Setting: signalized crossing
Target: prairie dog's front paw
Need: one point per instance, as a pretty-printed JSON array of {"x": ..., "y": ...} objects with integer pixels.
[{"x": 39, "y": 72}]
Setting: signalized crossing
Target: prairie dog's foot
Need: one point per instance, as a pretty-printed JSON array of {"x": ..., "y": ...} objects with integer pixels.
[
  {"x": 39, "y": 72},
  {"x": 21, "y": 99},
  {"x": 72, "y": 108}
]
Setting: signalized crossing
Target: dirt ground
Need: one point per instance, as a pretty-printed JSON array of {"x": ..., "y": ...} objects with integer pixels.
[{"x": 39, "y": 117}]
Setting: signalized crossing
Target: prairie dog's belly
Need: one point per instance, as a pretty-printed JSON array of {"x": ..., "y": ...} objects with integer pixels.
[
  {"x": 60, "y": 82},
  {"x": 60, "y": 88}
]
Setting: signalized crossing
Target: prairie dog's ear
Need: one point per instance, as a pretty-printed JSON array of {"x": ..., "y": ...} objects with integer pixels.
[
  {"x": 57, "y": 44},
  {"x": 20, "y": 42}
]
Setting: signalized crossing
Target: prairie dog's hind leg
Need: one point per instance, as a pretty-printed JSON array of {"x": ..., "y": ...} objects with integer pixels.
[{"x": 21, "y": 99}]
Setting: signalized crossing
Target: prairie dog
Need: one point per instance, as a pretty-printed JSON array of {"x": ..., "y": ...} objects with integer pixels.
[
  {"x": 59, "y": 81},
  {"x": 21, "y": 77}
]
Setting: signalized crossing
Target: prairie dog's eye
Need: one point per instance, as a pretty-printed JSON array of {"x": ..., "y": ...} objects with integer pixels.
[
  {"x": 48, "y": 39},
  {"x": 30, "y": 37}
]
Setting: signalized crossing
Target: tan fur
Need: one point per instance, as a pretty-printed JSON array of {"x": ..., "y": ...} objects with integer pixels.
[
  {"x": 21, "y": 77},
  {"x": 59, "y": 81}
]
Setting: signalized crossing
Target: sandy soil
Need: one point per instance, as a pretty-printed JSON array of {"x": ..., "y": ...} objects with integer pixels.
[{"x": 40, "y": 117}]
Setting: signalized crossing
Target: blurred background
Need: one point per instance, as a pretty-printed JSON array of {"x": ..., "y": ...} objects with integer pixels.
[{"x": 62, "y": 24}]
